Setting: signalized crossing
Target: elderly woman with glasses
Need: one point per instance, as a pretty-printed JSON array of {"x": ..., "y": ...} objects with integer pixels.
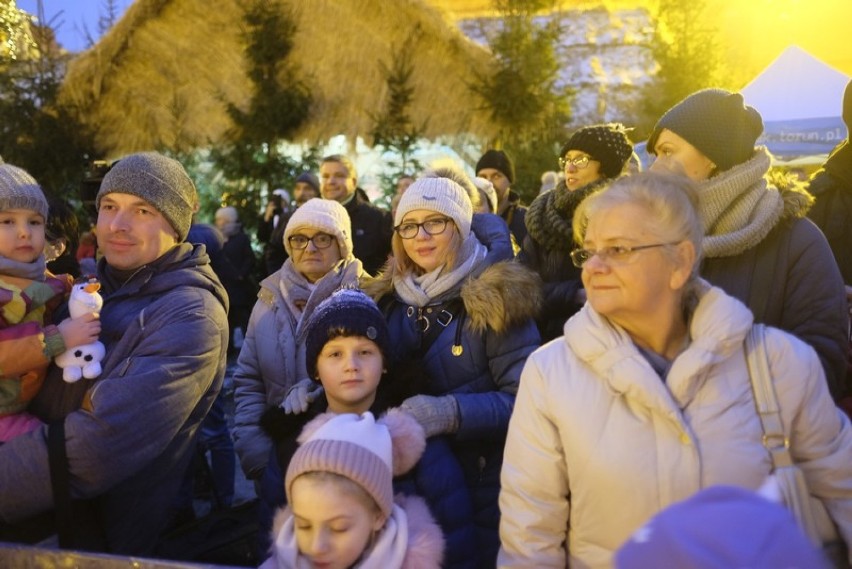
[
  {"x": 592, "y": 157},
  {"x": 461, "y": 309},
  {"x": 318, "y": 240},
  {"x": 647, "y": 398}
]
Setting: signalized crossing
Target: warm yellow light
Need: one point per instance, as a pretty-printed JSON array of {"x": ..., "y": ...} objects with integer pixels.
[
  {"x": 753, "y": 32},
  {"x": 757, "y": 31}
]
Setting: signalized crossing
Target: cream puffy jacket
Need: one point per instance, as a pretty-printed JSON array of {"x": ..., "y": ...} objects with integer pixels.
[{"x": 598, "y": 443}]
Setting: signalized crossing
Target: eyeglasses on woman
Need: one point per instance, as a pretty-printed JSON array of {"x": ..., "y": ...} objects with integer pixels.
[
  {"x": 579, "y": 162},
  {"x": 320, "y": 241},
  {"x": 434, "y": 226},
  {"x": 614, "y": 254}
]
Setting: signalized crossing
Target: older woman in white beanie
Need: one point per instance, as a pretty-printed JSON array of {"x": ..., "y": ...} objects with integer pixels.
[
  {"x": 318, "y": 239},
  {"x": 458, "y": 307}
]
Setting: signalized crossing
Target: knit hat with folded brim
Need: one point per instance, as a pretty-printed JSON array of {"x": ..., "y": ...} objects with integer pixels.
[
  {"x": 716, "y": 122},
  {"x": 159, "y": 180},
  {"x": 347, "y": 311},
  {"x": 326, "y": 216},
  {"x": 19, "y": 190},
  {"x": 441, "y": 195}
]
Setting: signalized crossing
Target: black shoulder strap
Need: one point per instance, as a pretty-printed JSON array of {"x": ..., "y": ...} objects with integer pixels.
[
  {"x": 77, "y": 521},
  {"x": 59, "y": 482}
]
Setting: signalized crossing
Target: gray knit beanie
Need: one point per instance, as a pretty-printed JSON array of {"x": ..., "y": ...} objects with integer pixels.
[
  {"x": 19, "y": 190},
  {"x": 716, "y": 122},
  {"x": 160, "y": 181}
]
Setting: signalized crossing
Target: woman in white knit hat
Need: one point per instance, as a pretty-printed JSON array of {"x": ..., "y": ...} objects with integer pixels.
[
  {"x": 456, "y": 302},
  {"x": 318, "y": 239}
]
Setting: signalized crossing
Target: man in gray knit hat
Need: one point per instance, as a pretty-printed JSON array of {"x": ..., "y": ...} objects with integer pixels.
[{"x": 124, "y": 443}]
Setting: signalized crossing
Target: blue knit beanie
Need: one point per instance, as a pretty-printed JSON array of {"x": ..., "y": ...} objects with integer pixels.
[
  {"x": 347, "y": 312},
  {"x": 716, "y": 122},
  {"x": 310, "y": 179}
]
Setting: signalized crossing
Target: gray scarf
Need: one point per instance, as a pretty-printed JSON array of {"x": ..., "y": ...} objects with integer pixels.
[
  {"x": 33, "y": 271},
  {"x": 550, "y": 218},
  {"x": 738, "y": 207},
  {"x": 425, "y": 289},
  {"x": 300, "y": 297}
]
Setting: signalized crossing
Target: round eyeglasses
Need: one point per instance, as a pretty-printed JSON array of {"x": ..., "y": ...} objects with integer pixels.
[
  {"x": 579, "y": 162},
  {"x": 434, "y": 226},
  {"x": 613, "y": 255},
  {"x": 320, "y": 241}
]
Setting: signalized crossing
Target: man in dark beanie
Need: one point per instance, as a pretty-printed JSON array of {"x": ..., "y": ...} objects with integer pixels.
[
  {"x": 496, "y": 167},
  {"x": 119, "y": 445},
  {"x": 758, "y": 246}
]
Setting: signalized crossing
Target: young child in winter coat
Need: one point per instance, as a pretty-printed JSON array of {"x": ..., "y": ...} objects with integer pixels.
[
  {"x": 346, "y": 338},
  {"x": 342, "y": 511},
  {"x": 28, "y": 296}
]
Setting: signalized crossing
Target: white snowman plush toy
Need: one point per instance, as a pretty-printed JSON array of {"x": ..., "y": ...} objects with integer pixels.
[{"x": 83, "y": 361}]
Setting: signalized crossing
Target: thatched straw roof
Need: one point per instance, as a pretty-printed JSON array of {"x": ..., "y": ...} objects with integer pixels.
[{"x": 159, "y": 77}]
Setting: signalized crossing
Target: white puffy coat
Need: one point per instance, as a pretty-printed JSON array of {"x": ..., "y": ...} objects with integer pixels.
[{"x": 598, "y": 443}]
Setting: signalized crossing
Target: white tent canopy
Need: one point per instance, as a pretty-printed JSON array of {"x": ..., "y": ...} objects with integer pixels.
[{"x": 799, "y": 98}]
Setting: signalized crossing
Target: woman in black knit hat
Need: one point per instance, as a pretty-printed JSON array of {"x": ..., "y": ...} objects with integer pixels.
[
  {"x": 591, "y": 158},
  {"x": 758, "y": 246}
]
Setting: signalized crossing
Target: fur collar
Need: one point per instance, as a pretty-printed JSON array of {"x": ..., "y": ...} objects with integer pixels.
[
  {"x": 425, "y": 548},
  {"x": 501, "y": 296}
]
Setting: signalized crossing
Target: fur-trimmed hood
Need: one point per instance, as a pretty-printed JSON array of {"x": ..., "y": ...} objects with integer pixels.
[
  {"x": 797, "y": 199},
  {"x": 501, "y": 296}
]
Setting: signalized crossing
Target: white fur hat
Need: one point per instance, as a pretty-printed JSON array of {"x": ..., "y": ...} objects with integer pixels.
[
  {"x": 441, "y": 195},
  {"x": 323, "y": 215}
]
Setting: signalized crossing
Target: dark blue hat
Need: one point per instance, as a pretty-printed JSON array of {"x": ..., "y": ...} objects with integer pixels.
[
  {"x": 309, "y": 179},
  {"x": 347, "y": 312},
  {"x": 716, "y": 122}
]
